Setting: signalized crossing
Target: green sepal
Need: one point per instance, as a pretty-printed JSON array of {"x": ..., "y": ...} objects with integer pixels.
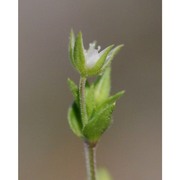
[
  {"x": 90, "y": 104},
  {"x": 111, "y": 55},
  {"x": 74, "y": 89},
  {"x": 79, "y": 58},
  {"x": 97, "y": 68},
  {"x": 102, "y": 87},
  {"x": 100, "y": 121},
  {"x": 74, "y": 119},
  {"x": 71, "y": 47}
]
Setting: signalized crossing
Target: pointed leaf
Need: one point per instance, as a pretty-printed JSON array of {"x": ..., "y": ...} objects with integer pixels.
[
  {"x": 74, "y": 119},
  {"x": 74, "y": 89},
  {"x": 99, "y": 64},
  {"x": 79, "y": 58},
  {"x": 102, "y": 87},
  {"x": 100, "y": 121},
  {"x": 111, "y": 100},
  {"x": 108, "y": 102}
]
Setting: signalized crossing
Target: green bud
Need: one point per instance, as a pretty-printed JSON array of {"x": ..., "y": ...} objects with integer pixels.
[{"x": 103, "y": 174}]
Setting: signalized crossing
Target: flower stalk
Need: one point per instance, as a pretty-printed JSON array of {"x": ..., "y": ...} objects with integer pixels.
[
  {"x": 82, "y": 100},
  {"x": 90, "y": 155},
  {"x": 89, "y": 148}
]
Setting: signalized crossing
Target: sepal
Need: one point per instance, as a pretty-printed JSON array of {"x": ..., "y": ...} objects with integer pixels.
[
  {"x": 111, "y": 55},
  {"x": 79, "y": 58},
  {"x": 97, "y": 68},
  {"x": 71, "y": 47}
]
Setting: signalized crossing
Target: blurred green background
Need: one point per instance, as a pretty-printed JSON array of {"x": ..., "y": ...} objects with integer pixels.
[{"x": 131, "y": 148}]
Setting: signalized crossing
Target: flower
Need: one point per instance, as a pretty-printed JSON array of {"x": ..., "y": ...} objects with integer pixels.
[
  {"x": 90, "y": 62},
  {"x": 92, "y": 55}
]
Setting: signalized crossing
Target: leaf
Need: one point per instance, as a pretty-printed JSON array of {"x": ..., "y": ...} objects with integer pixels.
[
  {"x": 101, "y": 118},
  {"x": 99, "y": 64},
  {"x": 111, "y": 55},
  {"x": 74, "y": 89},
  {"x": 90, "y": 104},
  {"x": 79, "y": 58},
  {"x": 102, "y": 87},
  {"x": 100, "y": 121},
  {"x": 74, "y": 120},
  {"x": 103, "y": 174},
  {"x": 112, "y": 99}
]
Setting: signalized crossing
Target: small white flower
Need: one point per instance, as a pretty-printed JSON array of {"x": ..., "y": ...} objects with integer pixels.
[
  {"x": 92, "y": 61},
  {"x": 92, "y": 55}
]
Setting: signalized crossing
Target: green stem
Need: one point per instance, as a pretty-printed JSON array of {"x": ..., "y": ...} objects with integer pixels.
[
  {"x": 90, "y": 154},
  {"x": 83, "y": 100},
  {"x": 88, "y": 147}
]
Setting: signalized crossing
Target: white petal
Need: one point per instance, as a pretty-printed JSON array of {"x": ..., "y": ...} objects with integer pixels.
[
  {"x": 91, "y": 58},
  {"x": 92, "y": 55}
]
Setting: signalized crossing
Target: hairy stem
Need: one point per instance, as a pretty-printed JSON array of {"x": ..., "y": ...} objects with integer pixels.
[
  {"x": 82, "y": 95},
  {"x": 88, "y": 147},
  {"x": 90, "y": 154}
]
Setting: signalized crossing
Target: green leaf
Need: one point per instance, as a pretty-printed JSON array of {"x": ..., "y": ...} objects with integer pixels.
[
  {"x": 74, "y": 119},
  {"x": 79, "y": 58},
  {"x": 112, "y": 99},
  {"x": 90, "y": 104},
  {"x": 71, "y": 47},
  {"x": 74, "y": 89},
  {"x": 99, "y": 64},
  {"x": 111, "y": 55},
  {"x": 103, "y": 174},
  {"x": 101, "y": 118},
  {"x": 102, "y": 87},
  {"x": 100, "y": 121}
]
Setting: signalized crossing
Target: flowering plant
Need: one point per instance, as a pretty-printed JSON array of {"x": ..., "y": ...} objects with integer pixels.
[{"x": 91, "y": 112}]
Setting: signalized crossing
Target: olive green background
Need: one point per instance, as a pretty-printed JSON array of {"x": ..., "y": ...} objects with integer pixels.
[{"x": 131, "y": 148}]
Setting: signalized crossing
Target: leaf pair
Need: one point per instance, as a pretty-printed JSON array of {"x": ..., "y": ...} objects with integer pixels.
[{"x": 99, "y": 106}]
